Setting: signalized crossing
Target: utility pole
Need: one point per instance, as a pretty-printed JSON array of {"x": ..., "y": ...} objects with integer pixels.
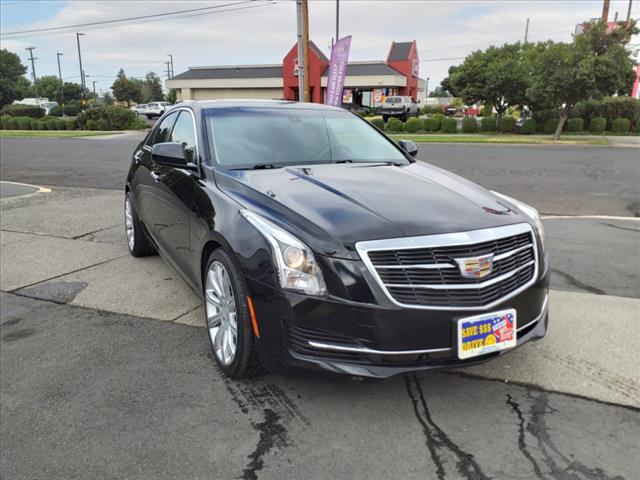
[
  {"x": 337, "y": 20},
  {"x": 33, "y": 67},
  {"x": 426, "y": 88},
  {"x": 172, "y": 72},
  {"x": 628, "y": 25},
  {"x": 95, "y": 98},
  {"x": 305, "y": 50},
  {"x": 80, "y": 60},
  {"x": 526, "y": 31},
  {"x": 605, "y": 10},
  {"x": 58, "y": 55},
  {"x": 300, "y": 49},
  {"x": 168, "y": 64}
]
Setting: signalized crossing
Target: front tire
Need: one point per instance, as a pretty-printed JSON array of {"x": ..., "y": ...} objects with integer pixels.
[
  {"x": 137, "y": 241},
  {"x": 228, "y": 317}
]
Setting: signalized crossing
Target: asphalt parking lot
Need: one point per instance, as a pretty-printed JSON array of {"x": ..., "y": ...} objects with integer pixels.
[{"x": 98, "y": 381}]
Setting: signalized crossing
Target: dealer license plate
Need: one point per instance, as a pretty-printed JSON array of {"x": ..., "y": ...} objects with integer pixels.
[{"x": 486, "y": 333}]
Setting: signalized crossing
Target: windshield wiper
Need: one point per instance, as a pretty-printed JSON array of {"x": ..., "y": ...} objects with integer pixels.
[{"x": 258, "y": 166}]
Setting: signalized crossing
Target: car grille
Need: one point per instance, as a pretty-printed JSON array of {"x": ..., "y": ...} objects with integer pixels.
[{"x": 428, "y": 276}]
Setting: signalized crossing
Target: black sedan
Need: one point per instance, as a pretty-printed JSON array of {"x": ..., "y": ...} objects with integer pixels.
[{"x": 315, "y": 241}]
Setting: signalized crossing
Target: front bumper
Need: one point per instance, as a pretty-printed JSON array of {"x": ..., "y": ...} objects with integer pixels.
[{"x": 375, "y": 340}]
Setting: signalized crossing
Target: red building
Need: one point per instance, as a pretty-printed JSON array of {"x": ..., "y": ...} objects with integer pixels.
[{"x": 366, "y": 83}]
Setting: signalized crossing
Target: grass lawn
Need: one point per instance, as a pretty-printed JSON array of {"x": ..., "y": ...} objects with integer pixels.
[
  {"x": 501, "y": 138},
  {"x": 53, "y": 133}
]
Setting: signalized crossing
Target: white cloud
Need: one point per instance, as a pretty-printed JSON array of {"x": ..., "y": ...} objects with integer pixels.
[{"x": 265, "y": 34}]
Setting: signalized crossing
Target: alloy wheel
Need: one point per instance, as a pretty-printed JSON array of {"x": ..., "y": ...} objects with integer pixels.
[
  {"x": 221, "y": 313},
  {"x": 128, "y": 223}
]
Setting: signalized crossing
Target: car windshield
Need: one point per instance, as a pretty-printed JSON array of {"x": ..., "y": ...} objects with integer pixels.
[
  {"x": 244, "y": 137},
  {"x": 393, "y": 100}
]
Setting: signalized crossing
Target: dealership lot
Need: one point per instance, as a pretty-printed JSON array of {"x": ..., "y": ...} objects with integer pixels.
[{"x": 115, "y": 384}]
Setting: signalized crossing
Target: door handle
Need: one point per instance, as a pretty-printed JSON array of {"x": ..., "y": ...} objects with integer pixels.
[{"x": 156, "y": 177}]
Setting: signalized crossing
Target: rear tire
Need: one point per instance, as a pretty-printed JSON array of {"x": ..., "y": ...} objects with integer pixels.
[
  {"x": 227, "y": 316},
  {"x": 137, "y": 241}
]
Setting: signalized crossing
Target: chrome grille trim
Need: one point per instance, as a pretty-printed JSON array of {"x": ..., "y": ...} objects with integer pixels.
[
  {"x": 345, "y": 348},
  {"x": 469, "y": 238},
  {"x": 420, "y": 265}
]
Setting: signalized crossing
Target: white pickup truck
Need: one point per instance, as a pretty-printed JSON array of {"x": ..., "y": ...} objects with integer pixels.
[
  {"x": 156, "y": 109},
  {"x": 401, "y": 107}
]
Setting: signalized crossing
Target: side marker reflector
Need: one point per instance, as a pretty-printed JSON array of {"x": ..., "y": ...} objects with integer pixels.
[{"x": 254, "y": 322}]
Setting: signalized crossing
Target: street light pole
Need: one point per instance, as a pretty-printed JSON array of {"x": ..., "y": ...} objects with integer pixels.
[
  {"x": 172, "y": 72},
  {"x": 95, "y": 98},
  {"x": 426, "y": 89},
  {"x": 305, "y": 50},
  {"x": 33, "y": 69},
  {"x": 80, "y": 60},
  {"x": 337, "y": 20},
  {"x": 58, "y": 55},
  {"x": 300, "y": 49}
]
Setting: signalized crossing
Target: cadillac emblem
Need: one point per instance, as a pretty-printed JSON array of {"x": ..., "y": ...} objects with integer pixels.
[{"x": 475, "y": 267}]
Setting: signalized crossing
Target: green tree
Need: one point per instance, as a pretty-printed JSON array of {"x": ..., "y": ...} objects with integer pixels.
[
  {"x": 596, "y": 64},
  {"x": 497, "y": 75},
  {"x": 439, "y": 92},
  {"x": 48, "y": 86},
  {"x": 74, "y": 91},
  {"x": 153, "y": 86},
  {"x": 172, "y": 95},
  {"x": 107, "y": 99},
  {"x": 125, "y": 89},
  {"x": 11, "y": 71}
]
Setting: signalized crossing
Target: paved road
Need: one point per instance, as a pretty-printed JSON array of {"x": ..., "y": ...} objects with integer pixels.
[
  {"x": 135, "y": 398},
  {"x": 555, "y": 179}
]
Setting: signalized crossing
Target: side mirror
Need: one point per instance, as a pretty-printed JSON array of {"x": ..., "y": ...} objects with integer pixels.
[
  {"x": 408, "y": 146},
  {"x": 169, "y": 153}
]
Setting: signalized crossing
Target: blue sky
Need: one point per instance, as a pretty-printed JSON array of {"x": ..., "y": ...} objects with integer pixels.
[{"x": 265, "y": 32}]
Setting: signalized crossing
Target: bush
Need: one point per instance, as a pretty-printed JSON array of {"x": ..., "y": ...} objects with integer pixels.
[
  {"x": 621, "y": 125},
  {"x": 71, "y": 109},
  {"x": 449, "y": 125},
  {"x": 542, "y": 116},
  {"x": 11, "y": 123},
  {"x": 507, "y": 124},
  {"x": 550, "y": 125},
  {"x": 70, "y": 124},
  {"x": 378, "y": 122},
  {"x": 117, "y": 117},
  {"x": 609, "y": 108},
  {"x": 431, "y": 124},
  {"x": 597, "y": 124},
  {"x": 413, "y": 125},
  {"x": 469, "y": 125},
  {"x": 575, "y": 125},
  {"x": 51, "y": 124},
  {"x": 139, "y": 124},
  {"x": 91, "y": 124},
  {"x": 529, "y": 126},
  {"x": 61, "y": 124},
  {"x": 24, "y": 123},
  {"x": 3, "y": 121},
  {"x": 56, "y": 111},
  {"x": 81, "y": 119},
  {"x": 20, "y": 110},
  {"x": 488, "y": 124},
  {"x": 395, "y": 125},
  {"x": 102, "y": 124}
]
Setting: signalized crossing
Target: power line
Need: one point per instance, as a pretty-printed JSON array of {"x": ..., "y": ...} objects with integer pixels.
[
  {"x": 141, "y": 17},
  {"x": 177, "y": 17}
]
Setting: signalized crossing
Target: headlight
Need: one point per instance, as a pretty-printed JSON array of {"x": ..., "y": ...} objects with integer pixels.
[
  {"x": 297, "y": 267},
  {"x": 529, "y": 211}
]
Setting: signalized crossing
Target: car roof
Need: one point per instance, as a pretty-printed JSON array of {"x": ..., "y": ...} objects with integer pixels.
[{"x": 248, "y": 103}]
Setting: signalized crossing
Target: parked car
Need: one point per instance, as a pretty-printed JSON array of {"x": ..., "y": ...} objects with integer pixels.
[
  {"x": 315, "y": 241},
  {"x": 156, "y": 109},
  {"x": 140, "y": 109},
  {"x": 400, "y": 107}
]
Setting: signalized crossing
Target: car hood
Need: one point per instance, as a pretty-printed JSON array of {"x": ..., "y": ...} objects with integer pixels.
[{"x": 336, "y": 205}]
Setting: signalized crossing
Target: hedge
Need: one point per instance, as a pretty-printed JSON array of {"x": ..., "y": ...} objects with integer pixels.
[
  {"x": 71, "y": 110},
  {"x": 91, "y": 124},
  {"x": 395, "y": 125},
  {"x": 609, "y": 108},
  {"x": 597, "y": 124},
  {"x": 61, "y": 124},
  {"x": 52, "y": 124},
  {"x": 20, "y": 110},
  {"x": 3, "y": 120},
  {"x": 575, "y": 125},
  {"x": 469, "y": 125},
  {"x": 117, "y": 118},
  {"x": 488, "y": 124},
  {"x": 102, "y": 124},
  {"x": 139, "y": 124},
  {"x": 413, "y": 125},
  {"x": 508, "y": 124},
  {"x": 378, "y": 122},
  {"x": 24, "y": 123},
  {"x": 449, "y": 125},
  {"x": 550, "y": 125},
  {"x": 431, "y": 124},
  {"x": 70, "y": 124},
  {"x": 621, "y": 125},
  {"x": 56, "y": 111},
  {"x": 529, "y": 126}
]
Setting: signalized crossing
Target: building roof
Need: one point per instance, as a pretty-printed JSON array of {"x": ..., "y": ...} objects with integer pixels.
[
  {"x": 252, "y": 71},
  {"x": 361, "y": 69},
  {"x": 400, "y": 51},
  {"x": 318, "y": 52}
]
